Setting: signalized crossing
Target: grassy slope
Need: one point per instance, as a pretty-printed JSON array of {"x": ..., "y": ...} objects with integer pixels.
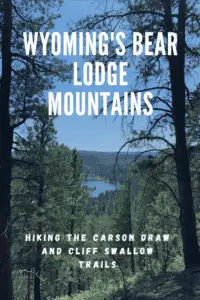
[{"x": 173, "y": 286}]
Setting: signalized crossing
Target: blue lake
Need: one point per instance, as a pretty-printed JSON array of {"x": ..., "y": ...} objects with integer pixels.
[{"x": 100, "y": 187}]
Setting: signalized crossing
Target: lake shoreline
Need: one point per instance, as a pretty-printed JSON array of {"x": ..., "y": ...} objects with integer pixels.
[
  {"x": 99, "y": 186},
  {"x": 99, "y": 178}
]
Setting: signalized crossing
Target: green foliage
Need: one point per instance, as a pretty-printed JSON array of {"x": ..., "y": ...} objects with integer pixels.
[
  {"x": 104, "y": 165},
  {"x": 47, "y": 197}
]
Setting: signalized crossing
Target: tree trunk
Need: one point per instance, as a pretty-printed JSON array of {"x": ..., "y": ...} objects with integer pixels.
[
  {"x": 5, "y": 155},
  {"x": 70, "y": 284},
  {"x": 130, "y": 227},
  {"x": 37, "y": 293},
  {"x": 38, "y": 261},
  {"x": 177, "y": 70},
  {"x": 28, "y": 295}
]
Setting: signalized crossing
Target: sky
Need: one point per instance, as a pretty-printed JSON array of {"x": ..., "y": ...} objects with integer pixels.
[{"x": 84, "y": 132}]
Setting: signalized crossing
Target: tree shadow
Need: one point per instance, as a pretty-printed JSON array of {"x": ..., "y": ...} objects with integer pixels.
[{"x": 166, "y": 287}]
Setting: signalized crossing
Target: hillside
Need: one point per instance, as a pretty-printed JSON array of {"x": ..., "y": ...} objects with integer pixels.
[
  {"x": 106, "y": 165},
  {"x": 172, "y": 286}
]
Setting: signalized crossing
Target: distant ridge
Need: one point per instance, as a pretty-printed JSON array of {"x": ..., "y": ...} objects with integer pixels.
[
  {"x": 122, "y": 153},
  {"x": 103, "y": 164}
]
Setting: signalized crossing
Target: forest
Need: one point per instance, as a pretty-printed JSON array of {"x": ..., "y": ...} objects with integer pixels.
[{"x": 42, "y": 180}]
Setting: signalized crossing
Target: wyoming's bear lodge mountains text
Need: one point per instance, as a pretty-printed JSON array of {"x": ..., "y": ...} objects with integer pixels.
[{"x": 97, "y": 73}]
